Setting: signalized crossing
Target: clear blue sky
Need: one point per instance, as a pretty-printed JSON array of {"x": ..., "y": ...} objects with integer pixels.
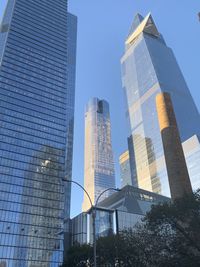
[
  {"x": 2, "y": 5},
  {"x": 102, "y": 28}
]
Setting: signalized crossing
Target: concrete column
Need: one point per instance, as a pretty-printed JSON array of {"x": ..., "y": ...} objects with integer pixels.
[{"x": 178, "y": 176}]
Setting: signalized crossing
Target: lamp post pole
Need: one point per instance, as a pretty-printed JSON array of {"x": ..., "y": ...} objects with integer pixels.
[
  {"x": 94, "y": 222},
  {"x": 73, "y": 182},
  {"x": 93, "y": 208}
]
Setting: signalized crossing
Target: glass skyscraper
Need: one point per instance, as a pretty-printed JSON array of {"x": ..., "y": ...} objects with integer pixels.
[
  {"x": 149, "y": 67},
  {"x": 99, "y": 171},
  {"x": 37, "y": 84}
]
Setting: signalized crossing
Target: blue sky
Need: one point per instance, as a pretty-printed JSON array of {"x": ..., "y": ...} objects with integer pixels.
[
  {"x": 102, "y": 28},
  {"x": 2, "y": 5}
]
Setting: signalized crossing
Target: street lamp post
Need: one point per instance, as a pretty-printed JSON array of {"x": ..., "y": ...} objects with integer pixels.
[
  {"x": 93, "y": 208},
  {"x": 94, "y": 222}
]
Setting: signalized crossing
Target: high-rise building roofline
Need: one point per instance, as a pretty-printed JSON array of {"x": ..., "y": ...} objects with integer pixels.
[
  {"x": 147, "y": 25},
  {"x": 149, "y": 67},
  {"x": 99, "y": 173},
  {"x": 138, "y": 18}
]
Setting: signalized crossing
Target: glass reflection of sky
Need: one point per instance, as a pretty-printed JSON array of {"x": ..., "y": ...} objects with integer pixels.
[{"x": 36, "y": 135}]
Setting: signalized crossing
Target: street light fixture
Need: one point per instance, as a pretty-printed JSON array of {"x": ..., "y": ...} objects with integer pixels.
[
  {"x": 93, "y": 208},
  {"x": 94, "y": 223}
]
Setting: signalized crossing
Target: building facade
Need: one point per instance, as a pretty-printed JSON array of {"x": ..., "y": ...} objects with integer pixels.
[
  {"x": 82, "y": 225},
  {"x": 99, "y": 171},
  {"x": 3, "y": 264},
  {"x": 132, "y": 161},
  {"x": 149, "y": 67},
  {"x": 121, "y": 211},
  {"x": 191, "y": 148},
  {"x": 125, "y": 171},
  {"x": 37, "y": 80}
]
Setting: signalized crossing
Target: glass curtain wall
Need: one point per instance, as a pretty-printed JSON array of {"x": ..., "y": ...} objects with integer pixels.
[
  {"x": 149, "y": 67},
  {"x": 36, "y": 130},
  {"x": 99, "y": 165}
]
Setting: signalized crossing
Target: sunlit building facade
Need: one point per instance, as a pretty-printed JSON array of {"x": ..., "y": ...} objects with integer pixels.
[
  {"x": 191, "y": 148},
  {"x": 99, "y": 173},
  {"x": 125, "y": 171},
  {"x": 149, "y": 67},
  {"x": 37, "y": 84}
]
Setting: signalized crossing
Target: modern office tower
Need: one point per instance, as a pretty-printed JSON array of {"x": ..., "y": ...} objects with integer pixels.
[
  {"x": 149, "y": 67},
  {"x": 125, "y": 171},
  {"x": 99, "y": 173},
  {"x": 37, "y": 80}
]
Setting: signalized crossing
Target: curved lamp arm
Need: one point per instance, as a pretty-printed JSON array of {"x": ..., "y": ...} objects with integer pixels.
[
  {"x": 73, "y": 182},
  {"x": 114, "y": 189}
]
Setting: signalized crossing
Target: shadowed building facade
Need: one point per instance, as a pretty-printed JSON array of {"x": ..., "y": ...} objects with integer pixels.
[
  {"x": 149, "y": 67},
  {"x": 119, "y": 212},
  {"x": 37, "y": 86},
  {"x": 127, "y": 165},
  {"x": 99, "y": 171}
]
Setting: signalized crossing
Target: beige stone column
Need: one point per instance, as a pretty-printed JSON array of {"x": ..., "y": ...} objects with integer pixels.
[{"x": 178, "y": 176}]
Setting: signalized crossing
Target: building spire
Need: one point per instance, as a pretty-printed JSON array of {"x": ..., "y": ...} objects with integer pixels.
[
  {"x": 136, "y": 22},
  {"x": 147, "y": 25}
]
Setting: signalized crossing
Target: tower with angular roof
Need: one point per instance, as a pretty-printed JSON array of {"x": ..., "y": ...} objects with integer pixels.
[{"x": 148, "y": 68}]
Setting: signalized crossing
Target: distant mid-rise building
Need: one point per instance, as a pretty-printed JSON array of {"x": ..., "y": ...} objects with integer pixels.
[
  {"x": 149, "y": 67},
  {"x": 121, "y": 211},
  {"x": 99, "y": 173},
  {"x": 37, "y": 89}
]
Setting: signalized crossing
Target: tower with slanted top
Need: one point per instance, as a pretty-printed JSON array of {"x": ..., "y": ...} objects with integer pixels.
[{"x": 148, "y": 68}]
